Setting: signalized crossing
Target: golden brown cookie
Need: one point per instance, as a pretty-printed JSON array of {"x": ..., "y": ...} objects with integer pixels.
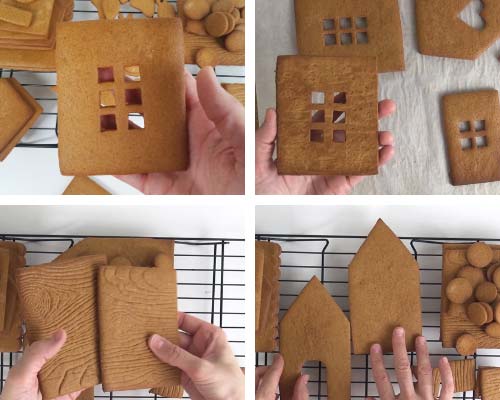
[
  {"x": 486, "y": 292},
  {"x": 459, "y": 290},
  {"x": 83, "y": 185},
  {"x": 207, "y": 57},
  {"x": 497, "y": 312},
  {"x": 239, "y": 3},
  {"x": 475, "y": 276},
  {"x": 120, "y": 260},
  {"x": 196, "y": 27},
  {"x": 479, "y": 255},
  {"x": 457, "y": 310},
  {"x": 111, "y": 8},
  {"x": 196, "y": 9},
  {"x": 147, "y": 7},
  {"x": 496, "y": 277},
  {"x": 235, "y": 41},
  {"x": 493, "y": 330},
  {"x": 223, "y": 6},
  {"x": 491, "y": 271},
  {"x": 477, "y": 314},
  {"x": 466, "y": 345},
  {"x": 217, "y": 24},
  {"x": 165, "y": 9},
  {"x": 489, "y": 311}
]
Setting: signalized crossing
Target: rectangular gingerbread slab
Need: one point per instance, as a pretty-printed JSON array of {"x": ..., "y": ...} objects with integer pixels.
[
  {"x": 135, "y": 303},
  {"x": 146, "y": 130},
  {"x": 327, "y": 115},
  {"x": 453, "y": 326},
  {"x": 64, "y": 295},
  {"x": 4, "y": 280},
  {"x": 489, "y": 383}
]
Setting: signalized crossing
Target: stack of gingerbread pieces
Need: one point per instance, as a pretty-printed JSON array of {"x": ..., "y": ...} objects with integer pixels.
[
  {"x": 109, "y": 295},
  {"x": 31, "y": 46}
]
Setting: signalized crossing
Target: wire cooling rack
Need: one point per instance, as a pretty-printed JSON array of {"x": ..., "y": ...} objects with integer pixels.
[
  {"x": 328, "y": 258},
  {"x": 43, "y": 135},
  {"x": 210, "y": 285}
]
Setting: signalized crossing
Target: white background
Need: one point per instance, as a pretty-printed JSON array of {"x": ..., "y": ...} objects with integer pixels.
[{"x": 420, "y": 165}]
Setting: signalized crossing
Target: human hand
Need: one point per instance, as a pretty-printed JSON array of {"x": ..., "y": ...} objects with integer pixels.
[
  {"x": 22, "y": 382},
  {"x": 267, "y": 180},
  {"x": 422, "y": 390},
  {"x": 267, "y": 380},
  {"x": 209, "y": 369},
  {"x": 216, "y": 129}
]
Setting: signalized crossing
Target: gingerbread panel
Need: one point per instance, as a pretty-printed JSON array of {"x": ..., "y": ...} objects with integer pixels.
[
  {"x": 4, "y": 280},
  {"x": 83, "y": 185},
  {"x": 327, "y": 115},
  {"x": 489, "y": 383},
  {"x": 346, "y": 28}
]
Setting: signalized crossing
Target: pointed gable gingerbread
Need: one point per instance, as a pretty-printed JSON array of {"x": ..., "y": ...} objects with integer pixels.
[
  {"x": 384, "y": 292},
  {"x": 315, "y": 329}
]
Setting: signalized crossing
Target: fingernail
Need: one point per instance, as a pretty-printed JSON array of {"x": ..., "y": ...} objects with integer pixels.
[
  {"x": 421, "y": 340},
  {"x": 306, "y": 379},
  {"x": 58, "y": 336},
  {"x": 444, "y": 360},
  {"x": 399, "y": 331},
  {"x": 376, "y": 348},
  {"x": 157, "y": 342}
]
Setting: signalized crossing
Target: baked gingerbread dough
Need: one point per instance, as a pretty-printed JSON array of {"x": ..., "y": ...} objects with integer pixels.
[{"x": 83, "y": 185}]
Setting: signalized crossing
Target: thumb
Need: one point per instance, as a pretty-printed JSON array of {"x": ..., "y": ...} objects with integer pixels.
[
  {"x": 300, "y": 391},
  {"x": 176, "y": 356},
  {"x": 37, "y": 355},
  {"x": 265, "y": 138}
]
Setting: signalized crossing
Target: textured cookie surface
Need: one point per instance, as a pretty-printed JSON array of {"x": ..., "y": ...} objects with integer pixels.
[
  {"x": 64, "y": 295},
  {"x": 489, "y": 382},
  {"x": 327, "y": 115},
  {"x": 259, "y": 275},
  {"x": 384, "y": 292},
  {"x": 135, "y": 303},
  {"x": 472, "y": 131},
  {"x": 267, "y": 331},
  {"x": 339, "y": 28},
  {"x": 83, "y": 185},
  {"x": 146, "y": 130},
  {"x": 315, "y": 328}
]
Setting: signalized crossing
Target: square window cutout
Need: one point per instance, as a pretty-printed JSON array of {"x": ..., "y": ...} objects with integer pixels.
[
  {"x": 330, "y": 40},
  {"x": 346, "y": 23},
  {"x": 318, "y": 115},
  {"x": 339, "y": 136},
  {"x": 346, "y": 39},
  {"x": 107, "y": 98},
  {"x": 136, "y": 121},
  {"x": 361, "y": 37},
  {"x": 108, "y": 122},
  {"x": 105, "y": 74},
  {"x": 466, "y": 143},
  {"x": 132, "y": 73},
  {"x": 328, "y": 24},
  {"x": 317, "y": 135},
  {"x": 480, "y": 126},
  {"x": 318, "y": 98},
  {"x": 464, "y": 126},
  {"x": 361, "y": 22},
  {"x": 340, "y": 97},
  {"x": 481, "y": 141},
  {"x": 339, "y": 117},
  {"x": 133, "y": 97}
]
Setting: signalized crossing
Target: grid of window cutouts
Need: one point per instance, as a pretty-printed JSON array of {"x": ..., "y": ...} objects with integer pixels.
[
  {"x": 345, "y": 31},
  {"x": 328, "y": 117},
  {"x": 473, "y": 134}
]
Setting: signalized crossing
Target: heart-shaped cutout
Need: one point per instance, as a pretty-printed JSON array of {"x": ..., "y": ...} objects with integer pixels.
[{"x": 471, "y": 15}]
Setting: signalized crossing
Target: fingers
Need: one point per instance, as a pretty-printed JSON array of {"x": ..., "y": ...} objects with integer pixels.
[
  {"x": 447, "y": 385},
  {"x": 191, "y": 324},
  {"x": 300, "y": 391},
  {"x": 385, "y": 154},
  {"x": 192, "y": 99},
  {"x": 270, "y": 381},
  {"x": 259, "y": 373},
  {"x": 265, "y": 138},
  {"x": 424, "y": 368},
  {"x": 402, "y": 364},
  {"x": 176, "y": 356},
  {"x": 221, "y": 108},
  {"x": 386, "y": 108},
  {"x": 384, "y": 386},
  {"x": 385, "y": 138},
  {"x": 36, "y": 356}
]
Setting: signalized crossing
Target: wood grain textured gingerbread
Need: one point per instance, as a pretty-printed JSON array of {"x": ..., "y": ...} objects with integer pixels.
[
  {"x": 4, "y": 280},
  {"x": 64, "y": 295},
  {"x": 175, "y": 392},
  {"x": 472, "y": 131},
  {"x": 140, "y": 302},
  {"x": 489, "y": 383},
  {"x": 347, "y": 28},
  {"x": 442, "y": 33},
  {"x": 384, "y": 292},
  {"x": 327, "y": 115},
  {"x": 315, "y": 329},
  {"x": 267, "y": 331},
  {"x": 83, "y": 185},
  {"x": 141, "y": 252},
  {"x": 455, "y": 325},
  {"x": 146, "y": 131},
  {"x": 259, "y": 275},
  {"x": 87, "y": 395}
]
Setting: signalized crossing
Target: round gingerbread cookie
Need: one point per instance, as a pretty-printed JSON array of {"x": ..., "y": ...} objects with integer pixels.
[
  {"x": 457, "y": 310},
  {"x": 196, "y": 9},
  {"x": 466, "y": 345},
  {"x": 491, "y": 270},
  {"x": 474, "y": 275},
  {"x": 223, "y": 6},
  {"x": 496, "y": 277},
  {"x": 217, "y": 24},
  {"x": 207, "y": 57},
  {"x": 489, "y": 311},
  {"x": 493, "y": 330},
  {"x": 486, "y": 292},
  {"x": 477, "y": 314},
  {"x": 459, "y": 290},
  {"x": 479, "y": 255},
  {"x": 235, "y": 41}
]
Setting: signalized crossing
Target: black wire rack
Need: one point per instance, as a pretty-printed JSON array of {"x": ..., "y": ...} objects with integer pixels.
[
  {"x": 210, "y": 284},
  {"x": 328, "y": 258},
  {"x": 43, "y": 135}
]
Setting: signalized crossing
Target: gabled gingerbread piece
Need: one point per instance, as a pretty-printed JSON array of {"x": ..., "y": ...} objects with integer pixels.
[
  {"x": 472, "y": 131},
  {"x": 442, "y": 33},
  {"x": 384, "y": 292},
  {"x": 327, "y": 115},
  {"x": 349, "y": 28},
  {"x": 267, "y": 330},
  {"x": 83, "y": 185},
  {"x": 316, "y": 329}
]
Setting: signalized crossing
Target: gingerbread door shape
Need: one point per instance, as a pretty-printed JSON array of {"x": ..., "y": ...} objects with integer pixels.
[
  {"x": 442, "y": 33},
  {"x": 315, "y": 329},
  {"x": 327, "y": 115},
  {"x": 384, "y": 292},
  {"x": 121, "y": 97},
  {"x": 351, "y": 28},
  {"x": 472, "y": 130}
]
